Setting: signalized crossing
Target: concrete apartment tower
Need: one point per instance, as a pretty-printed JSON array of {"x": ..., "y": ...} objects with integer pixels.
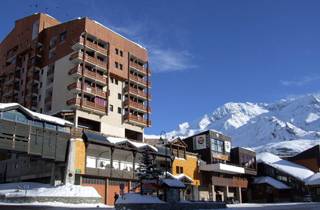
[{"x": 79, "y": 70}]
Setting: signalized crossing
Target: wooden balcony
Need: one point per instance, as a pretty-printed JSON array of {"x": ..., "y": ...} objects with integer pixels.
[
  {"x": 89, "y": 59},
  {"x": 94, "y": 46},
  {"x": 232, "y": 182},
  {"x": 139, "y": 80},
  {"x": 87, "y": 104},
  {"x": 137, "y": 120},
  {"x": 139, "y": 68},
  {"x": 136, "y": 105},
  {"x": 89, "y": 74},
  {"x": 137, "y": 92},
  {"x": 88, "y": 89}
]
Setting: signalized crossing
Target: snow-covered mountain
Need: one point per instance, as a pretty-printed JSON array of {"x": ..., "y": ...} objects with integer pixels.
[{"x": 256, "y": 124}]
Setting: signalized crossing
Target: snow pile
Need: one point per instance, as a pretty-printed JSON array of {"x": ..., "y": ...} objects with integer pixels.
[
  {"x": 138, "y": 145},
  {"x": 138, "y": 199},
  {"x": 257, "y": 124},
  {"x": 31, "y": 189},
  {"x": 295, "y": 170},
  {"x": 271, "y": 181}
]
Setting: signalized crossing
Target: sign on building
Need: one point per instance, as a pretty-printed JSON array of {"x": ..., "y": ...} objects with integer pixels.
[
  {"x": 200, "y": 142},
  {"x": 227, "y": 146}
]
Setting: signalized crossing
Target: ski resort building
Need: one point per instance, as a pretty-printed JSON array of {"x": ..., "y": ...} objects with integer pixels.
[
  {"x": 33, "y": 146},
  {"x": 309, "y": 158},
  {"x": 224, "y": 172},
  {"x": 79, "y": 70}
]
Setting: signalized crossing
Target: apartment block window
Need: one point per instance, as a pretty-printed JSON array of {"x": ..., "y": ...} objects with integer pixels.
[
  {"x": 117, "y": 51},
  {"x": 53, "y": 42},
  {"x": 111, "y": 108},
  {"x": 119, "y": 96},
  {"x": 121, "y": 53},
  {"x": 63, "y": 36},
  {"x": 217, "y": 145},
  {"x": 179, "y": 170},
  {"x": 112, "y": 80},
  {"x": 116, "y": 81},
  {"x": 116, "y": 64},
  {"x": 120, "y": 66},
  {"x": 119, "y": 110}
]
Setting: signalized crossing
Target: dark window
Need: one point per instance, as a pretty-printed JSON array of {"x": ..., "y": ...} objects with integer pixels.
[
  {"x": 117, "y": 51},
  {"x": 111, "y": 108},
  {"x": 116, "y": 64},
  {"x": 63, "y": 36},
  {"x": 121, "y": 53},
  {"x": 116, "y": 81},
  {"x": 112, "y": 80},
  {"x": 120, "y": 66},
  {"x": 119, "y": 110},
  {"x": 119, "y": 96}
]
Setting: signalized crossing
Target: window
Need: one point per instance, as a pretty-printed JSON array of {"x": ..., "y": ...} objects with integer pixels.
[
  {"x": 121, "y": 53},
  {"x": 9, "y": 115},
  {"x": 116, "y": 81},
  {"x": 119, "y": 96},
  {"x": 21, "y": 118},
  {"x": 111, "y": 108},
  {"x": 50, "y": 126},
  {"x": 119, "y": 110},
  {"x": 53, "y": 42},
  {"x": 112, "y": 80},
  {"x": 120, "y": 66},
  {"x": 63, "y": 36},
  {"x": 91, "y": 162},
  {"x": 117, "y": 51},
  {"x": 116, "y": 64},
  {"x": 179, "y": 169},
  {"x": 217, "y": 145}
]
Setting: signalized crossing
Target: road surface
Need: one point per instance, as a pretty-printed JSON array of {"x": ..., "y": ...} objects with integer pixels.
[{"x": 284, "y": 206}]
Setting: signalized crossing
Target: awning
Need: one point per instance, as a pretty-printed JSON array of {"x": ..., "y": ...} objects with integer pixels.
[{"x": 94, "y": 137}]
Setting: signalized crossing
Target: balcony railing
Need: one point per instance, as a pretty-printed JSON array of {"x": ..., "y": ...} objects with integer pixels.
[
  {"x": 87, "y": 58},
  {"x": 94, "y": 46},
  {"x": 139, "y": 80},
  {"x": 86, "y": 104},
  {"x": 88, "y": 89},
  {"x": 137, "y": 105},
  {"x": 89, "y": 74},
  {"x": 137, "y": 119},
  {"x": 232, "y": 182},
  {"x": 137, "y": 92}
]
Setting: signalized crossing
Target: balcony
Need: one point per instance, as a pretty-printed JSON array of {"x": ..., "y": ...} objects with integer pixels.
[
  {"x": 88, "y": 89},
  {"x": 94, "y": 46},
  {"x": 137, "y": 120},
  {"x": 89, "y": 74},
  {"x": 139, "y": 80},
  {"x": 137, "y": 92},
  {"x": 222, "y": 168},
  {"x": 231, "y": 182},
  {"x": 139, "y": 68},
  {"x": 137, "y": 106},
  {"x": 92, "y": 106},
  {"x": 79, "y": 56}
]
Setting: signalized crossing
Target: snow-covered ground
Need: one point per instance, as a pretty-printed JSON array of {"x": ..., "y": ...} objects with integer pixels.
[
  {"x": 275, "y": 206},
  {"x": 32, "y": 189}
]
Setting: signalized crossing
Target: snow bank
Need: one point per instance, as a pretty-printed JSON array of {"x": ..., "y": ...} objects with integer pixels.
[
  {"x": 295, "y": 170},
  {"x": 32, "y": 189},
  {"x": 271, "y": 181},
  {"x": 138, "y": 198}
]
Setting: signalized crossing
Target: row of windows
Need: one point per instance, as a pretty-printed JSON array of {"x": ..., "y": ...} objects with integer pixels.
[
  {"x": 118, "y": 65},
  {"x": 19, "y": 117},
  {"x": 119, "y": 52}
]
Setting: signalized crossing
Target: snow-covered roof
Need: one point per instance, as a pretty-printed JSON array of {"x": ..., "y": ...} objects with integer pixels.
[
  {"x": 293, "y": 169},
  {"x": 35, "y": 115},
  {"x": 174, "y": 183},
  {"x": 271, "y": 181},
  {"x": 180, "y": 176},
  {"x": 313, "y": 180},
  {"x": 138, "y": 198},
  {"x": 37, "y": 189}
]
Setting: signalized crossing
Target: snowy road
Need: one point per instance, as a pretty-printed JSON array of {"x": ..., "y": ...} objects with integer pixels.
[{"x": 284, "y": 206}]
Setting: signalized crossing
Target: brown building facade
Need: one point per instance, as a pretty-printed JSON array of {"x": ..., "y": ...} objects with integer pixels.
[{"x": 79, "y": 70}]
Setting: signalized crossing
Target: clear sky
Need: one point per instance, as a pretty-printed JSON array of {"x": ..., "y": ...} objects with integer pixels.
[{"x": 205, "y": 53}]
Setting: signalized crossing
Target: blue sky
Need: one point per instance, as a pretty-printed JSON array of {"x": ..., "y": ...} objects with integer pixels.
[{"x": 206, "y": 53}]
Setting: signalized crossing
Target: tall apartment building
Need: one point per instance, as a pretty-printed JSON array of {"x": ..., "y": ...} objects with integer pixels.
[{"x": 80, "y": 70}]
